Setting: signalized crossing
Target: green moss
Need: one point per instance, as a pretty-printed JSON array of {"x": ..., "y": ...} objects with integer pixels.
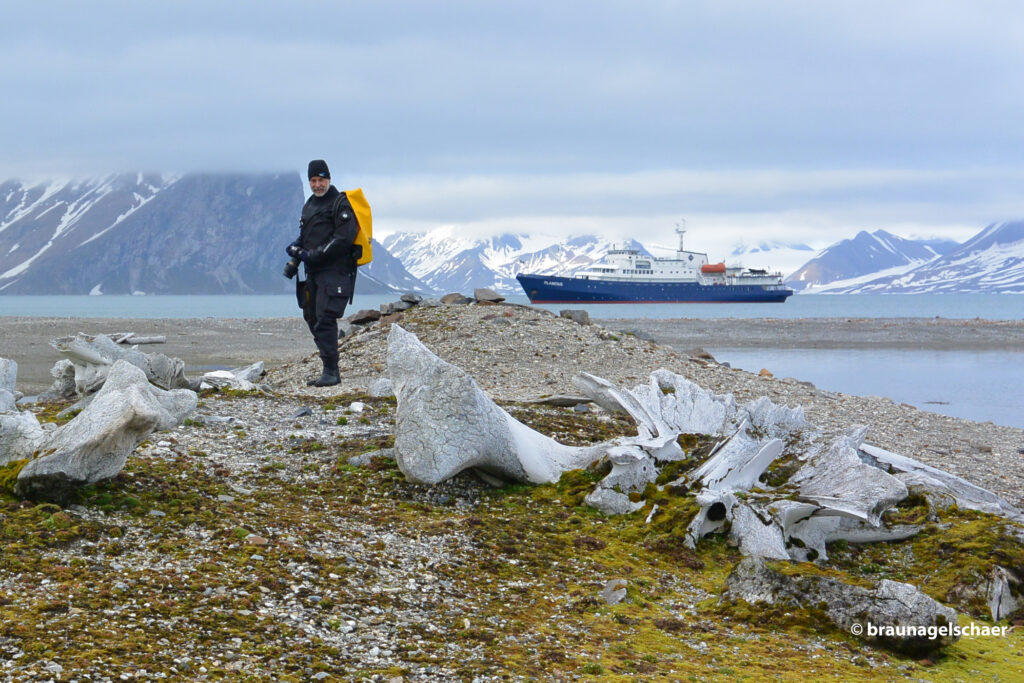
[{"x": 9, "y": 476}]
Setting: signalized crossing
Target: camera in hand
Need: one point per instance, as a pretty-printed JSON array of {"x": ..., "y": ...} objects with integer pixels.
[{"x": 291, "y": 269}]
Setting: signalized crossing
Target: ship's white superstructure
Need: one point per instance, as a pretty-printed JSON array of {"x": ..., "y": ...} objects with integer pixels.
[{"x": 632, "y": 265}]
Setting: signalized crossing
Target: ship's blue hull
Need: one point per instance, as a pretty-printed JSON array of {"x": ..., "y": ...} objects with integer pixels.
[{"x": 543, "y": 289}]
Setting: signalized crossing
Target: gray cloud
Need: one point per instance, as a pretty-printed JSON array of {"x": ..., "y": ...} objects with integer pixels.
[{"x": 407, "y": 91}]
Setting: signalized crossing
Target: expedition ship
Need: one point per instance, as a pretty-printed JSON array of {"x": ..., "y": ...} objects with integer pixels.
[{"x": 630, "y": 276}]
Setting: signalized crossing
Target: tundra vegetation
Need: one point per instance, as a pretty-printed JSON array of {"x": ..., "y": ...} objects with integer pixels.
[{"x": 264, "y": 546}]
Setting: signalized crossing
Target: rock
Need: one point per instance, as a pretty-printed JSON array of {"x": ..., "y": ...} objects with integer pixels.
[
  {"x": 96, "y": 443},
  {"x": 698, "y": 352},
  {"x": 387, "y": 309},
  {"x": 93, "y": 357},
  {"x": 8, "y": 402},
  {"x": 455, "y": 299},
  {"x": 484, "y": 294},
  {"x": 402, "y": 305},
  {"x": 381, "y": 387},
  {"x": 345, "y": 329},
  {"x": 581, "y": 408},
  {"x": 848, "y": 607},
  {"x": 391, "y": 319},
  {"x": 411, "y": 298},
  {"x": 445, "y": 424},
  {"x": 430, "y": 303},
  {"x": 304, "y": 411},
  {"x": 578, "y": 316},
  {"x": 364, "y": 317},
  {"x": 614, "y": 592}
]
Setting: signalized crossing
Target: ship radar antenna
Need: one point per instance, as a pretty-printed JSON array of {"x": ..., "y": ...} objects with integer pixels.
[{"x": 681, "y": 230}]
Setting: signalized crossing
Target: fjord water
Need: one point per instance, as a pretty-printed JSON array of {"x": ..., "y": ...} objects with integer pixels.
[
  {"x": 963, "y": 306},
  {"x": 986, "y": 385}
]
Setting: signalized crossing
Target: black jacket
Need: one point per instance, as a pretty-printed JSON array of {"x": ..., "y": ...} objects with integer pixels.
[{"x": 327, "y": 231}]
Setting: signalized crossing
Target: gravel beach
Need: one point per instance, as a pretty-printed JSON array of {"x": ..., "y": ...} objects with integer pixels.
[{"x": 210, "y": 343}]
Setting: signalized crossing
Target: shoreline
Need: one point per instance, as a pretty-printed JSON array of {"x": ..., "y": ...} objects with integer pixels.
[{"x": 214, "y": 343}]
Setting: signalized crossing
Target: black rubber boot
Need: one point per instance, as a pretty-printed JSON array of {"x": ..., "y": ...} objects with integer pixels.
[{"x": 329, "y": 378}]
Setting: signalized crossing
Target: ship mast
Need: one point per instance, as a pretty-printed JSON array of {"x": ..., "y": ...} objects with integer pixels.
[{"x": 681, "y": 230}]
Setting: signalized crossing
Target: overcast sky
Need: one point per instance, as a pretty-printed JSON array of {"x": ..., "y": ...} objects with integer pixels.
[{"x": 803, "y": 121}]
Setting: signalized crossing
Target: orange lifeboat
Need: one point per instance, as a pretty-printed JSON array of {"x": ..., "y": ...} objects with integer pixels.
[{"x": 713, "y": 268}]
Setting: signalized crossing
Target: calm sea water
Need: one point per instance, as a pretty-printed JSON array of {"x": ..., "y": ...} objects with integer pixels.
[{"x": 976, "y": 385}]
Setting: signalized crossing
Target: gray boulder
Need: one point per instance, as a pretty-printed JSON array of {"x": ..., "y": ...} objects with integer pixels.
[
  {"x": 455, "y": 299},
  {"x": 402, "y": 305},
  {"x": 578, "y": 316},
  {"x": 484, "y": 294},
  {"x": 892, "y": 607},
  {"x": 412, "y": 298},
  {"x": 430, "y": 303},
  {"x": 96, "y": 443},
  {"x": 364, "y": 317}
]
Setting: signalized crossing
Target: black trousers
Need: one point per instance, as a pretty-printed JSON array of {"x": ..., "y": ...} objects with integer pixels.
[{"x": 327, "y": 296}]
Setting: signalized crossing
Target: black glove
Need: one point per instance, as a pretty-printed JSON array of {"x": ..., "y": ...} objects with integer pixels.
[{"x": 293, "y": 250}]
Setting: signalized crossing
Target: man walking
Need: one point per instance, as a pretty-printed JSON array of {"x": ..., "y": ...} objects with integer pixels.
[{"x": 327, "y": 231}]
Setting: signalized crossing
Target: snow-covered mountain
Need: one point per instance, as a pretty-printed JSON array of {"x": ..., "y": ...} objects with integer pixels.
[
  {"x": 448, "y": 262},
  {"x": 867, "y": 254},
  {"x": 992, "y": 261},
  {"x": 160, "y": 234},
  {"x": 784, "y": 257}
]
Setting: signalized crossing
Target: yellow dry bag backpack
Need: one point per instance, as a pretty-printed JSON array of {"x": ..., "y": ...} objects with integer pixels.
[{"x": 361, "y": 209}]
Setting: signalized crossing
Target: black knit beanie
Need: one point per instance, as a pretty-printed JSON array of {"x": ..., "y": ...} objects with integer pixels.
[{"x": 318, "y": 167}]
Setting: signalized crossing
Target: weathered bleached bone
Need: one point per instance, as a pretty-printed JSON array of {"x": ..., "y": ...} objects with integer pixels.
[
  {"x": 95, "y": 444},
  {"x": 93, "y": 356},
  {"x": 632, "y": 469},
  {"x": 8, "y": 378},
  {"x": 738, "y": 464},
  {"x": 20, "y": 436},
  {"x": 837, "y": 480},
  {"x": 814, "y": 528},
  {"x": 445, "y": 424},
  {"x": 20, "y": 432},
  {"x": 998, "y": 594},
  {"x": 63, "y": 387},
  {"x": 611, "y": 502},
  {"x": 241, "y": 379},
  {"x": 656, "y": 437},
  {"x": 966, "y": 494},
  {"x": 715, "y": 510},
  {"x": 8, "y": 374}
]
